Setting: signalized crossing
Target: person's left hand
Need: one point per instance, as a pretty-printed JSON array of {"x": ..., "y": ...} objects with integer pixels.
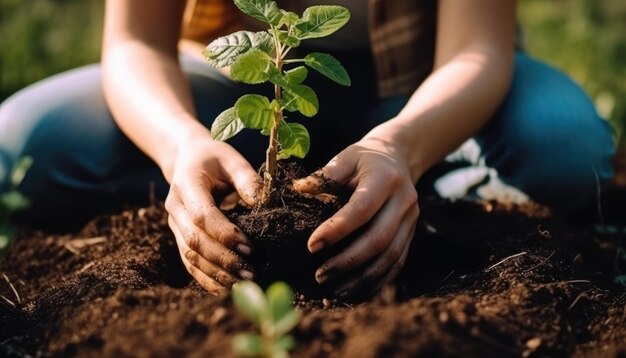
[{"x": 384, "y": 196}]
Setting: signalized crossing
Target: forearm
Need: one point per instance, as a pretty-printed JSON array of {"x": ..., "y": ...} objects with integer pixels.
[
  {"x": 454, "y": 102},
  {"x": 150, "y": 100}
]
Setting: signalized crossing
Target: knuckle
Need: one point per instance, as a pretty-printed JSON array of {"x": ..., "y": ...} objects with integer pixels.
[
  {"x": 381, "y": 240},
  {"x": 192, "y": 257},
  {"x": 196, "y": 214},
  {"x": 193, "y": 241}
]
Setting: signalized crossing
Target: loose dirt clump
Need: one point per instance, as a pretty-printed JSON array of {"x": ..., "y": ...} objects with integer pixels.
[{"x": 482, "y": 279}]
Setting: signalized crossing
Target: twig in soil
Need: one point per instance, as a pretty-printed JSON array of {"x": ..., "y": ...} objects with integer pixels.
[
  {"x": 17, "y": 296},
  {"x": 505, "y": 260},
  {"x": 74, "y": 246},
  {"x": 542, "y": 262},
  {"x": 581, "y": 295},
  {"x": 86, "y": 267},
  {"x": 8, "y": 301},
  {"x": 447, "y": 277}
]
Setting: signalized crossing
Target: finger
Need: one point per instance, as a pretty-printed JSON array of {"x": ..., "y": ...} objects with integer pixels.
[
  {"x": 370, "y": 195},
  {"x": 199, "y": 242},
  {"x": 383, "y": 270},
  {"x": 200, "y": 207},
  {"x": 206, "y": 277},
  {"x": 316, "y": 183},
  {"x": 243, "y": 177},
  {"x": 376, "y": 239}
]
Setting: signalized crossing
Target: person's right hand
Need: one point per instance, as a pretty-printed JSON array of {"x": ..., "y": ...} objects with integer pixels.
[{"x": 210, "y": 246}]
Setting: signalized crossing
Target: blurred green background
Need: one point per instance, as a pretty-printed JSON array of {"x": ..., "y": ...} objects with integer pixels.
[{"x": 585, "y": 38}]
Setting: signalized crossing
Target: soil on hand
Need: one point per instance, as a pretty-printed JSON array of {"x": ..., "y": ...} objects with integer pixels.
[{"x": 482, "y": 279}]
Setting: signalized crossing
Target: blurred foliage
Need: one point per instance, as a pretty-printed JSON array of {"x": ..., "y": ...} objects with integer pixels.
[
  {"x": 39, "y": 38},
  {"x": 585, "y": 38}
]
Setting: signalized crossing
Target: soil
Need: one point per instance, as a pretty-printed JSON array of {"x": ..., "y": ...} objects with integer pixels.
[{"x": 483, "y": 279}]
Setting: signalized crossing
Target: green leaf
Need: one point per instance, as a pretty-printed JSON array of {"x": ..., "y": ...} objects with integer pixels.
[
  {"x": 288, "y": 40},
  {"x": 321, "y": 21},
  {"x": 286, "y": 343},
  {"x": 19, "y": 170},
  {"x": 289, "y": 18},
  {"x": 289, "y": 102},
  {"x": 255, "y": 112},
  {"x": 248, "y": 345},
  {"x": 278, "y": 352},
  {"x": 252, "y": 67},
  {"x": 329, "y": 67},
  {"x": 279, "y": 297},
  {"x": 225, "y": 50},
  {"x": 262, "y": 10},
  {"x": 249, "y": 300},
  {"x": 305, "y": 99},
  {"x": 287, "y": 323},
  {"x": 297, "y": 75},
  {"x": 13, "y": 201},
  {"x": 226, "y": 125},
  {"x": 294, "y": 142}
]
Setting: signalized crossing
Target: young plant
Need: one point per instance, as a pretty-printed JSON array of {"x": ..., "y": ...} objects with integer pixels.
[
  {"x": 273, "y": 314},
  {"x": 12, "y": 201},
  {"x": 258, "y": 57}
]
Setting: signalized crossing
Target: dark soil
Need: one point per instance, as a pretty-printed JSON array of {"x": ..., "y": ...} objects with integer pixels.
[{"x": 483, "y": 279}]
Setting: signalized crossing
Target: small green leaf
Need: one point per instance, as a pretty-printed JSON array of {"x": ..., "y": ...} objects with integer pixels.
[
  {"x": 294, "y": 142},
  {"x": 329, "y": 67},
  {"x": 255, "y": 112},
  {"x": 262, "y": 10},
  {"x": 278, "y": 352},
  {"x": 250, "y": 300},
  {"x": 297, "y": 75},
  {"x": 13, "y": 201},
  {"x": 305, "y": 98},
  {"x": 225, "y": 50},
  {"x": 286, "y": 343},
  {"x": 287, "y": 323},
  {"x": 289, "y": 102},
  {"x": 321, "y": 21},
  {"x": 279, "y": 297},
  {"x": 248, "y": 345},
  {"x": 277, "y": 78},
  {"x": 19, "y": 170},
  {"x": 252, "y": 67},
  {"x": 288, "y": 40},
  {"x": 289, "y": 18},
  {"x": 226, "y": 125}
]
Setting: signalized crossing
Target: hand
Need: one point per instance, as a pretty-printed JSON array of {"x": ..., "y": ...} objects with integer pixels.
[
  {"x": 210, "y": 246},
  {"x": 385, "y": 197}
]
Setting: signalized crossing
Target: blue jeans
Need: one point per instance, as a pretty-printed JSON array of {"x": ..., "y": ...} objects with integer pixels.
[{"x": 546, "y": 139}]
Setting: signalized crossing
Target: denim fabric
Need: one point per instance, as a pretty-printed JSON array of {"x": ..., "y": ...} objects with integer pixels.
[{"x": 546, "y": 139}]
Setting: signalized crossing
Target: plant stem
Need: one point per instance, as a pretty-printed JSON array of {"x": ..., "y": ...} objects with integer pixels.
[{"x": 272, "y": 150}]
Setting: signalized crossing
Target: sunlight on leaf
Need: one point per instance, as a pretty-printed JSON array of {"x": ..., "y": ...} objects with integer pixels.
[
  {"x": 321, "y": 21},
  {"x": 251, "y": 67},
  {"x": 329, "y": 67},
  {"x": 226, "y": 125},
  {"x": 225, "y": 50},
  {"x": 294, "y": 140}
]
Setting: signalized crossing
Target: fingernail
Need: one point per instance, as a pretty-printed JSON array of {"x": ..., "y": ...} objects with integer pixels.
[
  {"x": 246, "y": 275},
  {"x": 244, "y": 249},
  {"x": 316, "y": 246},
  {"x": 321, "y": 276}
]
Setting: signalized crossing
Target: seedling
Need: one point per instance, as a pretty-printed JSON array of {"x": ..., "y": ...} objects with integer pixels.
[
  {"x": 12, "y": 200},
  {"x": 272, "y": 313},
  {"x": 259, "y": 57}
]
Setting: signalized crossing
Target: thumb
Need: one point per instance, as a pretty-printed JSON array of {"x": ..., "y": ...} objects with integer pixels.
[{"x": 326, "y": 180}]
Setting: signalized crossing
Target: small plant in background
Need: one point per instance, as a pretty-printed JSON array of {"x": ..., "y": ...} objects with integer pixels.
[
  {"x": 258, "y": 57},
  {"x": 272, "y": 313},
  {"x": 12, "y": 201}
]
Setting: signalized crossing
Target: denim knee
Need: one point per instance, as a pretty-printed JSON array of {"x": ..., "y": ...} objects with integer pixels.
[{"x": 547, "y": 139}]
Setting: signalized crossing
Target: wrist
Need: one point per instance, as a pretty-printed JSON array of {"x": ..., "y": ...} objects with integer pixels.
[
  {"x": 404, "y": 145},
  {"x": 183, "y": 137}
]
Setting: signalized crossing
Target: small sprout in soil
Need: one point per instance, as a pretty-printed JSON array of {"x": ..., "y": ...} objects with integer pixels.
[
  {"x": 259, "y": 57},
  {"x": 12, "y": 201},
  {"x": 272, "y": 313}
]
